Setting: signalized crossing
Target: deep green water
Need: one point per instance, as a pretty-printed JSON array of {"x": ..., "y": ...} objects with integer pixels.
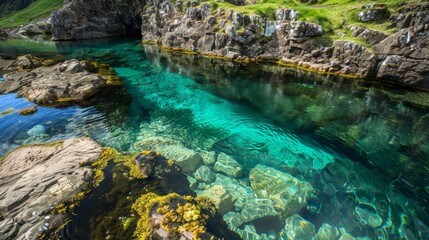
[{"x": 363, "y": 146}]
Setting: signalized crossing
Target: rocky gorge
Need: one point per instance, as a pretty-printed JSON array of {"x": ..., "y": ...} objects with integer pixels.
[{"x": 193, "y": 26}]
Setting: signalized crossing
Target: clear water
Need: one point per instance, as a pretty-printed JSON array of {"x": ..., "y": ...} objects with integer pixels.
[{"x": 364, "y": 147}]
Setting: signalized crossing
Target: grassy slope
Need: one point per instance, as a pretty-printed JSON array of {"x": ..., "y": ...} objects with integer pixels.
[
  {"x": 36, "y": 10},
  {"x": 328, "y": 13}
]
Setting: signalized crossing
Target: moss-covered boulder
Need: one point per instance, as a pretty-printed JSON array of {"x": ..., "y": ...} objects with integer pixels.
[{"x": 173, "y": 217}]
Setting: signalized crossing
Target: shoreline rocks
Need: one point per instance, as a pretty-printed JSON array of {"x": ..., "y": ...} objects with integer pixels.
[
  {"x": 36, "y": 178},
  {"x": 44, "y": 83}
]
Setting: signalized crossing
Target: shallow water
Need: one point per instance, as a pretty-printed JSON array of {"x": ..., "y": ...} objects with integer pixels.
[{"x": 364, "y": 147}]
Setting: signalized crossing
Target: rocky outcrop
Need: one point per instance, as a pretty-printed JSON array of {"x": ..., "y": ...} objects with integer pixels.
[
  {"x": 200, "y": 27},
  {"x": 35, "y": 179},
  {"x": 97, "y": 19},
  {"x": 41, "y": 83}
]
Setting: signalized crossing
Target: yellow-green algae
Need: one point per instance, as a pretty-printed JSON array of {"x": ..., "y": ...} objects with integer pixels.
[{"x": 180, "y": 214}]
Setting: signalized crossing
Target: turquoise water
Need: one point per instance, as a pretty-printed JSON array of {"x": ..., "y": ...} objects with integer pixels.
[{"x": 364, "y": 147}]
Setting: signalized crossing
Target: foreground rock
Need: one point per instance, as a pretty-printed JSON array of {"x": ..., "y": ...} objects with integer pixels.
[
  {"x": 172, "y": 217},
  {"x": 35, "y": 179},
  {"x": 40, "y": 82}
]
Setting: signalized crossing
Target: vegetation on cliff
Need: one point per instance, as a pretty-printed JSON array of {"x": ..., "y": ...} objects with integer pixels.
[{"x": 37, "y": 10}]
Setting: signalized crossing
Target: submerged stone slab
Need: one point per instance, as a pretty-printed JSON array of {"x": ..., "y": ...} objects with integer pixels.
[
  {"x": 297, "y": 227},
  {"x": 209, "y": 158},
  {"x": 220, "y": 198},
  {"x": 327, "y": 231},
  {"x": 205, "y": 174},
  {"x": 228, "y": 165},
  {"x": 187, "y": 159},
  {"x": 288, "y": 193},
  {"x": 258, "y": 208}
]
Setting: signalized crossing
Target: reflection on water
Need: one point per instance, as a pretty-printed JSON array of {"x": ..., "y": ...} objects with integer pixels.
[{"x": 364, "y": 148}]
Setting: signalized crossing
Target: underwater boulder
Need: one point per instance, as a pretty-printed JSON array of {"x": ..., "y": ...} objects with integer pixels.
[
  {"x": 289, "y": 194},
  {"x": 209, "y": 158},
  {"x": 327, "y": 231},
  {"x": 258, "y": 208},
  {"x": 226, "y": 164},
  {"x": 187, "y": 159},
  {"x": 36, "y": 130},
  {"x": 205, "y": 174},
  {"x": 297, "y": 227},
  {"x": 220, "y": 197}
]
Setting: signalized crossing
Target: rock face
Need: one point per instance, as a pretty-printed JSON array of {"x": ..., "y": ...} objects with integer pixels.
[
  {"x": 195, "y": 26},
  {"x": 39, "y": 83},
  {"x": 97, "y": 19},
  {"x": 34, "y": 179}
]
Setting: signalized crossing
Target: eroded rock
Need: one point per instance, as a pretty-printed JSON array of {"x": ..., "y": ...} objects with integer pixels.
[{"x": 35, "y": 179}]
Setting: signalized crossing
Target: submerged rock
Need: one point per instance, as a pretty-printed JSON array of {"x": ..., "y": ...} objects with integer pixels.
[
  {"x": 228, "y": 165},
  {"x": 298, "y": 228},
  {"x": 289, "y": 194},
  {"x": 36, "y": 178},
  {"x": 205, "y": 174},
  {"x": 187, "y": 159},
  {"x": 36, "y": 130},
  {"x": 327, "y": 231},
  {"x": 220, "y": 197},
  {"x": 258, "y": 208}
]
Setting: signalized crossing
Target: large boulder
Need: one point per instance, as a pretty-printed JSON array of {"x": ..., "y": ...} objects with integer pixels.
[
  {"x": 298, "y": 228},
  {"x": 34, "y": 179}
]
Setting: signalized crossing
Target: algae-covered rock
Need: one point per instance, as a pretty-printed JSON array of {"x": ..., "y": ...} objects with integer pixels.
[
  {"x": 187, "y": 159},
  {"x": 172, "y": 216},
  {"x": 289, "y": 194},
  {"x": 297, "y": 227},
  {"x": 228, "y": 165},
  {"x": 327, "y": 231},
  {"x": 27, "y": 111},
  {"x": 205, "y": 174},
  {"x": 220, "y": 197},
  {"x": 258, "y": 208}
]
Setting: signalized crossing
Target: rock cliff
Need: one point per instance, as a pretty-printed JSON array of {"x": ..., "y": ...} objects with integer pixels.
[{"x": 203, "y": 27}]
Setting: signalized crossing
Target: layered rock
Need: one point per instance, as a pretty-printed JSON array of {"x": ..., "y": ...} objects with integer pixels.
[
  {"x": 43, "y": 84},
  {"x": 34, "y": 179},
  {"x": 192, "y": 26}
]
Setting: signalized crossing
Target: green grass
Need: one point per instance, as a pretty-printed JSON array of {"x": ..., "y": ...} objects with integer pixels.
[
  {"x": 35, "y": 11},
  {"x": 328, "y": 13}
]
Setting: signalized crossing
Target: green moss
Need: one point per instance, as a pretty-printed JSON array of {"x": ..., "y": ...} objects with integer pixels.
[
  {"x": 179, "y": 214},
  {"x": 37, "y": 10}
]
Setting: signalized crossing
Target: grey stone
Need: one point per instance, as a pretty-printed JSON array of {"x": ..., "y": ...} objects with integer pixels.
[
  {"x": 37, "y": 178},
  {"x": 327, "y": 231},
  {"x": 220, "y": 197},
  {"x": 204, "y": 174},
  {"x": 228, "y": 165},
  {"x": 188, "y": 160},
  {"x": 298, "y": 228}
]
